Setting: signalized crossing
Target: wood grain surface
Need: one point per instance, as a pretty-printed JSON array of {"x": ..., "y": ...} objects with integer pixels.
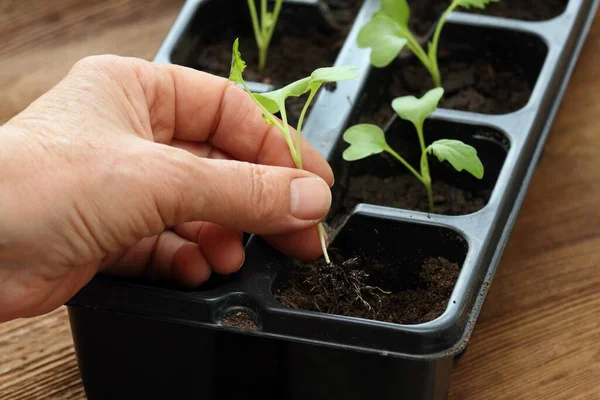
[{"x": 538, "y": 336}]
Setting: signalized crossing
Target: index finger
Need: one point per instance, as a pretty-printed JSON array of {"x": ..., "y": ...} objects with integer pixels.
[{"x": 213, "y": 109}]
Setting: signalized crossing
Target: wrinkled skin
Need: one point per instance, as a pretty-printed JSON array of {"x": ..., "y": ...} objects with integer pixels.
[{"x": 131, "y": 168}]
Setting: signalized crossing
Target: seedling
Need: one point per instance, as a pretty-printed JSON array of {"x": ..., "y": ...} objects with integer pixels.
[
  {"x": 273, "y": 102},
  {"x": 387, "y": 33},
  {"x": 367, "y": 139},
  {"x": 263, "y": 29}
]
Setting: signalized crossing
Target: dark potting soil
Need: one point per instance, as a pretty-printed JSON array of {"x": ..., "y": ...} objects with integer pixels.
[
  {"x": 406, "y": 192},
  {"x": 240, "y": 320},
  {"x": 527, "y": 10},
  {"x": 293, "y": 53},
  {"x": 424, "y": 13},
  {"x": 363, "y": 288},
  {"x": 472, "y": 82}
]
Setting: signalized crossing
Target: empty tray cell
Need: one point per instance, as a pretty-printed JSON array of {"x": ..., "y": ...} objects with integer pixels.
[
  {"x": 425, "y": 13},
  {"x": 525, "y": 10},
  {"x": 484, "y": 70},
  {"x": 307, "y": 36},
  {"x": 382, "y": 269},
  {"x": 383, "y": 181}
]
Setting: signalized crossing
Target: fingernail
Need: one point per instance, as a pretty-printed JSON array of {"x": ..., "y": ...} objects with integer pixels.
[
  {"x": 242, "y": 264},
  {"x": 310, "y": 198}
]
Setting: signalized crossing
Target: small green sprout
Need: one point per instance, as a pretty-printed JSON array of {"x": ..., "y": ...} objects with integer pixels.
[
  {"x": 263, "y": 29},
  {"x": 367, "y": 139},
  {"x": 273, "y": 102},
  {"x": 387, "y": 33}
]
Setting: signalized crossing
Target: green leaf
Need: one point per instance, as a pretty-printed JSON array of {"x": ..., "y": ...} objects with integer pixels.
[
  {"x": 415, "y": 109},
  {"x": 334, "y": 74},
  {"x": 267, "y": 100},
  {"x": 298, "y": 88},
  {"x": 398, "y": 10},
  {"x": 384, "y": 36},
  {"x": 274, "y": 100},
  {"x": 268, "y": 119},
  {"x": 459, "y": 155},
  {"x": 475, "y": 3},
  {"x": 237, "y": 64},
  {"x": 365, "y": 140}
]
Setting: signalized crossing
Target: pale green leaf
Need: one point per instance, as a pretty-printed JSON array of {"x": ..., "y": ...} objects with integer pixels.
[
  {"x": 268, "y": 101},
  {"x": 268, "y": 119},
  {"x": 475, "y": 3},
  {"x": 298, "y": 88},
  {"x": 365, "y": 140},
  {"x": 460, "y": 155},
  {"x": 334, "y": 74},
  {"x": 384, "y": 36},
  {"x": 398, "y": 10},
  {"x": 415, "y": 109},
  {"x": 274, "y": 100},
  {"x": 237, "y": 64}
]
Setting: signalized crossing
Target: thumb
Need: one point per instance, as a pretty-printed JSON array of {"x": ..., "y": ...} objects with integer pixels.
[{"x": 253, "y": 198}]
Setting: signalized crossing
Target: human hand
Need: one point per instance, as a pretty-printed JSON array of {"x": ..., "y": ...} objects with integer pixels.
[{"x": 129, "y": 167}]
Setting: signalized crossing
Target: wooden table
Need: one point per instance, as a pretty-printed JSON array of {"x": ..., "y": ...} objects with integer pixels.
[{"x": 538, "y": 336}]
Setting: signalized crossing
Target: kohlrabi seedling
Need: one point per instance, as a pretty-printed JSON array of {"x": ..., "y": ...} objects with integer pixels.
[
  {"x": 273, "y": 102},
  {"x": 387, "y": 33},
  {"x": 367, "y": 139},
  {"x": 264, "y": 28}
]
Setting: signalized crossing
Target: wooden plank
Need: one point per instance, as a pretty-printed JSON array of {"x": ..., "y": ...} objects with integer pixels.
[
  {"x": 538, "y": 336},
  {"x": 41, "y": 40}
]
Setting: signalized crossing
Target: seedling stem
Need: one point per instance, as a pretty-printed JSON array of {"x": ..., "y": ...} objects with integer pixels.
[
  {"x": 388, "y": 32},
  {"x": 263, "y": 29},
  {"x": 367, "y": 139},
  {"x": 274, "y": 101}
]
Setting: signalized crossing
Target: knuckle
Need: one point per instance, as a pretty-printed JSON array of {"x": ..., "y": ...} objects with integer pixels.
[
  {"x": 96, "y": 62},
  {"x": 108, "y": 66},
  {"x": 264, "y": 196}
]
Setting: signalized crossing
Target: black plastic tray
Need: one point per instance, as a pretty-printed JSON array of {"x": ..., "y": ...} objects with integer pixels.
[{"x": 134, "y": 339}]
